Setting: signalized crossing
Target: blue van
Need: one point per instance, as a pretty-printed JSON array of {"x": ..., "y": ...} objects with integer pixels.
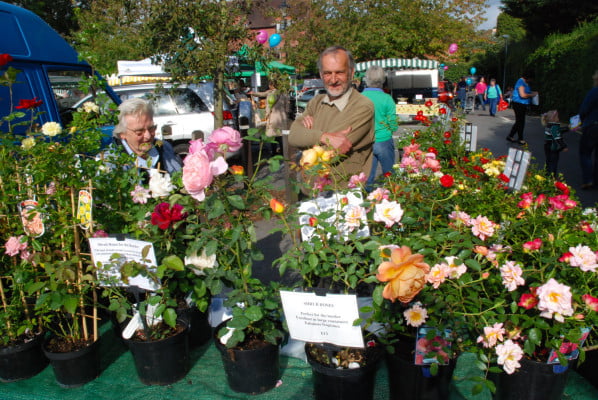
[{"x": 50, "y": 68}]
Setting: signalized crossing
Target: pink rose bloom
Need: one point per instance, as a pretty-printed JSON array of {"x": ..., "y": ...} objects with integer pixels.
[
  {"x": 554, "y": 300},
  {"x": 14, "y": 245},
  {"x": 437, "y": 274},
  {"x": 379, "y": 194},
  {"x": 482, "y": 227},
  {"x": 411, "y": 148},
  {"x": 195, "y": 146},
  {"x": 100, "y": 233},
  {"x": 388, "y": 212},
  {"x": 532, "y": 245},
  {"x": 583, "y": 257},
  {"x": 409, "y": 163},
  {"x": 225, "y": 139},
  {"x": 199, "y": 172},
  {"x": 511, "y": 275},
  {"x": 526, "y": 200},
  {"x": 460, "y": 217},
  {"x": 356, "y": 180},
  {"x": 509, "y": 353},
  {"x": 492, "y": 335},
  {"x": 591, "y": 302}
]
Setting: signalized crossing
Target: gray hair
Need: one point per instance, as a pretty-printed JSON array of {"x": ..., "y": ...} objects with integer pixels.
[
  {"x": 334, "y": 50},
  {"x": 134, "y": 106},
  {"x": 375, "y": 76}
]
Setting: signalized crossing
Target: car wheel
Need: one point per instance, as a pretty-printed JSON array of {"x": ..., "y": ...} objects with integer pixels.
[{"x": 182, "y": 149}]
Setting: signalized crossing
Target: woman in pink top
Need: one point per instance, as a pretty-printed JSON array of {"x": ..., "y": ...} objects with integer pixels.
[{"x": 480, "y": 89}]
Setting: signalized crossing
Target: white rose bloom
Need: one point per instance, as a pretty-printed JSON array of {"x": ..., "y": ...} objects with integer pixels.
[
  {"x": 51, "y": 129},
  {"x": 28, "y": 143},
  {"x": 160, "y": 184},
  {"x": 199, "y": 263},
  {"x": 90, "y": 106}
]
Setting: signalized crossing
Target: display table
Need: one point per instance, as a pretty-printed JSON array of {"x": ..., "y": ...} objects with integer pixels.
[{"x": 207, "y": 381}]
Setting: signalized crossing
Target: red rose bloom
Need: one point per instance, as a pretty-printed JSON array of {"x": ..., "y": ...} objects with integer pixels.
[
  {"x": 562, "y": 187},
  {"x": 432, "y": 150},
  {"x": 504, "y": 178},
  {"x": 442, "y": 111},
  {"x": 447, "y": 141},
  {"x": 387, "y": 174},
  {"x": 447, "y": 181},
  {"x": 428, "y": 103},
  {"x": 163, "y": 215},
  {"x": 446, "y": 134},
  {"x": 5, "y": 59},
  {"x": 29, "y": 103},
  {"x": 528, "y": 301}
]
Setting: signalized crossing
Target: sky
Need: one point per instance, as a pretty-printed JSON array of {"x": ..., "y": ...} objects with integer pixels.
[{"x": 492, "y": 12}]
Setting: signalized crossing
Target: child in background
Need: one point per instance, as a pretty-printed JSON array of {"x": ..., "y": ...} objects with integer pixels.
[{"x": 553, "y": 139}]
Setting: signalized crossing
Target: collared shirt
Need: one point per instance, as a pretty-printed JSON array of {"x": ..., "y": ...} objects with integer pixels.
[
  {"x": 341, "y": 102},
  {"x": 152, "y": 156}
]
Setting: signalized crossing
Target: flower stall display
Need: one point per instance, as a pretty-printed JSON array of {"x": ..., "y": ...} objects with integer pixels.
[{"x": 48, "y": 215}]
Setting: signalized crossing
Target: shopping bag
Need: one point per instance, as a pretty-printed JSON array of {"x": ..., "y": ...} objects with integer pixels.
[{"x": 502, "y": 105}]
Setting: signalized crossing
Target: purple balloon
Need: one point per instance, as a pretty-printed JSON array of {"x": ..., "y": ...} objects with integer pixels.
[
  {"x": 261, "y": 37},
  {"x": 453, "y": 48}
]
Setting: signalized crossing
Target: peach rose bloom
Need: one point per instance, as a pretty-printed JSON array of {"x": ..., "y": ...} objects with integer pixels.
[{"x": 405, "y": 274}]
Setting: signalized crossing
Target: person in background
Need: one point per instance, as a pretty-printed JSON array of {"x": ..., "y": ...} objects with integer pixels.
[
  {"x": 588, "y": 144},
  {"x": 385, "y": 120},
  {"x": 277, "y": 113},
  {"x": 461, "y": 91},
  {"x": 135, "y": 133},
  {"x": 480, "y": 89},
  {"x": 522, "y": 95},
  {"x": 493, "y": 94},
  {"x": 342, "y": 118}
]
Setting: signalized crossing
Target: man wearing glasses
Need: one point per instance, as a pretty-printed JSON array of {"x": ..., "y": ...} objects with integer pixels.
[{"x": 135, "y": 132}]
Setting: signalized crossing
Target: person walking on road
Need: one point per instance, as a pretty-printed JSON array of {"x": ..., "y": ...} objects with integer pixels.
[
  {"x": 493, "y": 95},
  {"x": 385, "y": 121},
  {"x": 522, "y": 95},
  {"x": 588, "y": 144},
  {"x": 480, "y": 90}
]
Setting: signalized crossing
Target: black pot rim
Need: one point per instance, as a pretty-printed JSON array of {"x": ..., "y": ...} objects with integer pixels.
[
  {"x": 37, "y": 339},
  {"x": 68, "y": 355},
  {"x": 375, "y": 356},
  {"x": 164, "y": 340}
]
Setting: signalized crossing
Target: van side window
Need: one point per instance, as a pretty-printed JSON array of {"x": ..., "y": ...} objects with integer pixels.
[{"x": 65, "y": 85}]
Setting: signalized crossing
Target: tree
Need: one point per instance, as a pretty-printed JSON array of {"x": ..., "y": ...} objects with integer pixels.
[
  {"x": 59, "y": 14},
  {"x": 381, "y": 28},
  {"x": 102, "y": 41},
  {"x": 195, "y": 39},
  {"x": 543, "y": 17}
]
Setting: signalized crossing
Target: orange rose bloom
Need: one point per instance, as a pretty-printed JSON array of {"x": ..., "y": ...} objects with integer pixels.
[{"x": 405, "y": 274}]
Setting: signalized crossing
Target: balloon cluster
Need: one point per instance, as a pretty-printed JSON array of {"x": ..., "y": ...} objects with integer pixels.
[{"x": 262, "y": 37}]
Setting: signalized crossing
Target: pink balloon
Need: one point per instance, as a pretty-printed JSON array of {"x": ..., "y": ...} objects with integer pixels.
[
  {"x": 261, "y": 37},
  {"x": 453, "y": 48},
  {"x": 445, "y": 67}
]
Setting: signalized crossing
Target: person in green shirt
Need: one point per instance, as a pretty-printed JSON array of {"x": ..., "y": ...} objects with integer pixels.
[{"x": 385, "y": 122}]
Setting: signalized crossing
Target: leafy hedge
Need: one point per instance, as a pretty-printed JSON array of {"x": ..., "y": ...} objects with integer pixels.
[{"x": 564, "y": 66}]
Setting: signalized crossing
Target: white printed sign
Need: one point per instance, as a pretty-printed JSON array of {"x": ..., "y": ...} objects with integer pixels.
[
  {"x": 102, "y": 250},
  {"x": 516, "y": 167},
  {"x": 322, "y": 319}
]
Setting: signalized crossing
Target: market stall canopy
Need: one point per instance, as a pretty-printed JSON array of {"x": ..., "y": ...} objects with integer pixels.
[{"x": 398, "y": 63}]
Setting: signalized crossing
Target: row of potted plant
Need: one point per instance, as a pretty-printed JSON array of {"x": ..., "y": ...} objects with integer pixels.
[{"x": 452, "y": 259}]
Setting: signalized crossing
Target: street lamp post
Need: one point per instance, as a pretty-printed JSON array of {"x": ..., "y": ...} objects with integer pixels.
[{"x": 504, "y": 70}]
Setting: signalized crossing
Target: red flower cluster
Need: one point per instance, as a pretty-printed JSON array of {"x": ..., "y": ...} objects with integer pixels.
[
  {"x": 5, "y": 59},
  {"x": 447, "y": 181},
  {"x": 29, "y": 103},
  {"x": 163, "y": 215}
]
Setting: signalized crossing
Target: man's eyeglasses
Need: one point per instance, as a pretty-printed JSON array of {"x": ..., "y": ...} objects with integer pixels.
[{"x": 141, "y": 131}]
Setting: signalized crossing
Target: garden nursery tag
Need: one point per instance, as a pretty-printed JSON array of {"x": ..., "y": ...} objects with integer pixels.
[
  {"x": 322, "y": 319},
  {"x": 84, "y": 209},
  {"x": 31, "y": 218}
]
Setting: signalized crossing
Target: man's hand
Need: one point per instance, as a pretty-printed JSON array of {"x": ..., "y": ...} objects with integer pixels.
[
  {"x": 308, "y": 122},
  {"x": 338, "y": 140}
]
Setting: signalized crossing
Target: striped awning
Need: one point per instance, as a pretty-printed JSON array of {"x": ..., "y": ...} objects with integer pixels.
[{"x": 398, "y": 63}]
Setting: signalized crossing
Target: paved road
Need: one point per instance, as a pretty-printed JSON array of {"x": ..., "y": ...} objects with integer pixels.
[{"x": 492, "y": 133}]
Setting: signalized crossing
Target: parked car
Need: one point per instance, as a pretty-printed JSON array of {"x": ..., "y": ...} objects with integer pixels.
[
  {"x": 179, "y": 112},
  {"x": 230, "y": 112},
  {"x": 305, "y": 97},
  {"x": 312, "y": 84}
]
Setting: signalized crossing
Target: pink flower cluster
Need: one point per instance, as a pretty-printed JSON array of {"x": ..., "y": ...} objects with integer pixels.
[
  {"x": 445, "y": 270},
  {"x": 17, "y": 245},
  {"x": 414, "y": 160},
  {"x": 481, "y": 226},
  {"x": 206, "y": 161},
  {"x": 561, "y": 202}
]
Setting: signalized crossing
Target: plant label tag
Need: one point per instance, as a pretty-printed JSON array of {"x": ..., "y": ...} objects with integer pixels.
[
  {"x": 84, "y": 206},
  {"x": 322, "y": 319},
  {"x": 432, "y": 346},
  {"x": 150, "y": 314},
  {"x": 516, "y": 167},
  {"x": 469, "y": 136},
  {"x": 31, "y": 218},
  {"x": 110, "y": 254},
  {"x": 569, "y": 350},
  {"x": 134, "y": 324}
]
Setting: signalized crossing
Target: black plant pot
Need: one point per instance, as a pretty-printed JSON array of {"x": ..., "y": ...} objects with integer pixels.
[
  {"x": 533, "y": 381},
  {"x": 75, "y": 368},
  {"x": 345, "y": 384},
  {"x": 589, "y": 368},
  {"x": 161, "y": 362},
  {"x": 22, "y": 361},
  {"x": 200, "y": 330},
  {"x": 408, "y": 381},
  {"x": 250, "y": 371}
]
